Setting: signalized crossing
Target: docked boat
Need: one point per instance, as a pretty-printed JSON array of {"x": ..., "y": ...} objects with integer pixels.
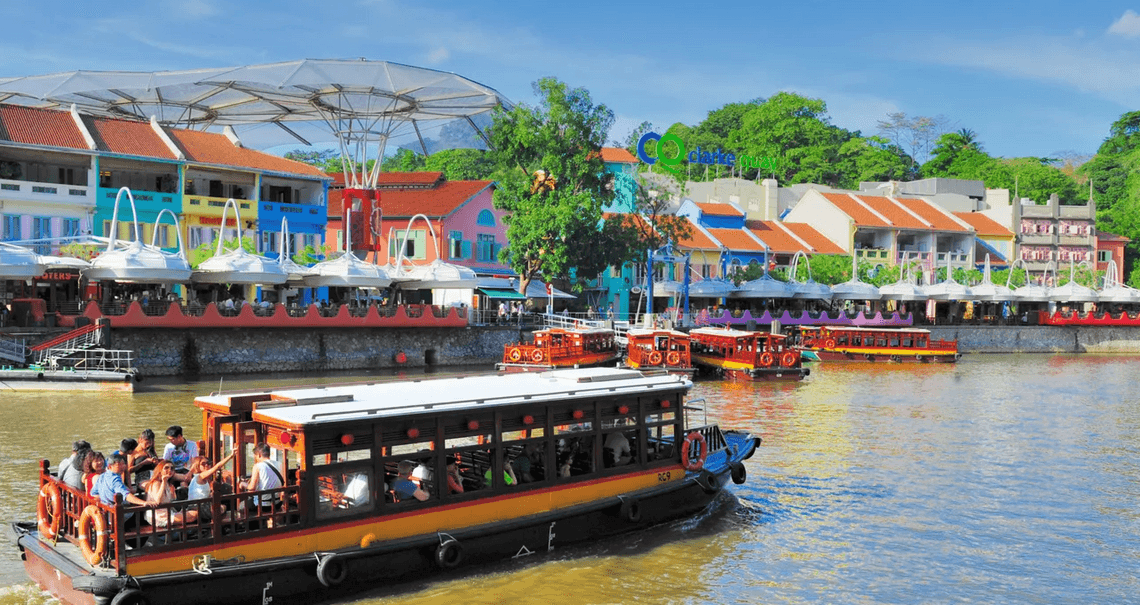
[
  {"x": 836, "y": 343},
  {"x": 380, "y": 481},
  {"x": 555, "y": 348},
  {"x": 739, "y": 354},
  {"x": 667, "y": 350}
]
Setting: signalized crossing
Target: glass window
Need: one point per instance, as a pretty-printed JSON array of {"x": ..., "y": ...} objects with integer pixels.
[
  {"x": 12, "y": 227},
  {"x": 70, "y": 227},
  {"x": 486, "y": 250},
  {"x": 415, "y": 248},
  {"x": 343, "y": 491},
  {"x": 455, "y": 244},
  {"x": 486, "y": 218}
]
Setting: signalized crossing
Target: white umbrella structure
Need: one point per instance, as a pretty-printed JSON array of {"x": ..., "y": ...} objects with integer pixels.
[
  {"x": 855, "y": 289},
  {"x": 711, "y": 288},
  {"x": 809, "y": 290},
  {"x": 434, "y": 275},
  {"x": 238, "y": 266},
  {"x": 1114, "y": 291},
  {"x": 989, "y": 291},
  {"x": 294, "y": 274},
  {"x": 136, "y": 262},
  {"x": 347, "y": 271},
  {"x": 1030, "y": 292},
  {"x": 948, "y": 289},
  {"x": 1071, "y": 291},
  {"x": 18, "y": 262}
]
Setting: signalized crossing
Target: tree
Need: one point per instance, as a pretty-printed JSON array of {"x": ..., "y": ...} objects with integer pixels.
[
  {"x": 918, "y": 134},
  {"x": 553, "y": 182},
  {"x": 796, "y": 130},
  {"x": 871, "y": 159},
  {"x": 461, "y": 164},
  {"x": 207, "y": 250},
  {"x": 404, "y": 160},
  {"x": 647, "y": 226},
  {"x": 328, "y": 160}
]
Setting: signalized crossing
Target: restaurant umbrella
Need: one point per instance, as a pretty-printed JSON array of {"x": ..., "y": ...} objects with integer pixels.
[
  {"x": 238, "y": 266},
  {"x": 135, "y": 262},
  {"x": 18, "y": 262},
  {"x": 1031, "y": 292},
  {"x": 989, "y": 291},
  {"x": 1071, "y": 291},
  {"x": 434, "y": 275},
  {"x": 809, "y": 290},
  {"x": 347, "y": 271},
  {"x": 1114, "y": 291},
  {"x": 947, "y": 289},
  {"x": 294, "y": 274},
  {"x": 854, "y": 289}
]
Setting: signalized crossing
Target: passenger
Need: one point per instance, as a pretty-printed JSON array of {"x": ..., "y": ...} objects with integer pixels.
[
  {"x": 179, "y": 451},
  {"x": 201, "y": 481},
  {"x": 126, "y": 446},
  {"x": 508, "y": 473},
  {"x": 73, "y": 473},
  {"x": 111, "y": 482},
  {"x": 265, "y": 475},
  {"x": 159, "y": 491},
  {"x": 617, "y": 449},
  {"x": 404, "y": 487},
  {"x": 93, "y": 466},
  {"x": 525, "y": 465},
  {"x": 143, "y": 458},
  {"x": 454, "y": 481},
  {"x": 564, "y": 464},
  {"x": 356, "y": 490},
  {"x": 75, "y": 447}
]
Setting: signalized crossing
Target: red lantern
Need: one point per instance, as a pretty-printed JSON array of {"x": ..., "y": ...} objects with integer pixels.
[
  {"x": 286, "y": 438},
  {"x": 413, "y": 433},
  {"x": 472, "y": 425},
  {"x": 347, "y": 439},
  {"x": 528, "y": 420},
  {"x": 623, "y": 410},
  {"x": 665, "y": 403},
  {"x": 578, "y": 414}
]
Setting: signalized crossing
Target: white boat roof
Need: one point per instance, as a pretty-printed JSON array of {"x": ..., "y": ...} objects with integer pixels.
[
  {"x": 340, "y": 403},
  {"x": 727, "y": 332},
  {"x": 576, "y": 330},
  {"x": 662, "y": 332},
  {"x": 872, "y": 329}
]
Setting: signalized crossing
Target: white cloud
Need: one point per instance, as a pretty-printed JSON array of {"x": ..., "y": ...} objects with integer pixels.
[
  {"x": 439, "y": 55},
  {"x": 1128, "y": 25}
]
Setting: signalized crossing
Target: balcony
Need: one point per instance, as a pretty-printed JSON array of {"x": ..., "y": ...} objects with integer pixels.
[
  {"x": 202, "y": 205},
  {"x": 874, "y": 255},
  {"x": 47, "y": 193},
  {"x": 955, "y": 258},
  {"x": 911, "y": 256},
  {"x": 297, "y": 214},
  {"x": 145, "y": 201},
  {"x": 1037, "y": 239}
]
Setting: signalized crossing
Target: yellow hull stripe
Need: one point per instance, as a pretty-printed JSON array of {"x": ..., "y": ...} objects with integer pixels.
[
  {"x": 886, "y": 352},
  {"x": 723, "y": 363},
  {"x": 410, "y": 523}
]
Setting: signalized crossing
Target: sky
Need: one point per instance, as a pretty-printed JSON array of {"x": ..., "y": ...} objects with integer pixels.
[{"x": 1043, "y": 79}]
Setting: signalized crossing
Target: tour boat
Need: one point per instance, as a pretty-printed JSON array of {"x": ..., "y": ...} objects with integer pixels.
[
  {"x": 561, "y": 348},
  {"x": 504, "y": 466},
  {"x": 835, "y": 343},
  {"x": 658, "y": 350},
  {"x": 746, "y": 355}
]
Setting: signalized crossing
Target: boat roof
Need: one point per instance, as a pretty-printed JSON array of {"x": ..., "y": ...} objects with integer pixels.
[
  {"x": 873, "y": 329},
  {"x": 731, "y": 332},
  {"x": 316, "y": 405},
  {"x": 644, "y": 332},
  {"x": 575, "y": 331}
]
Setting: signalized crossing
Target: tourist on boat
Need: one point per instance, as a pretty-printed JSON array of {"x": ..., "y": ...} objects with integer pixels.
[
  {"x": 143, "y": 458},
  {"x": 75, "y": 447},
  {"x": 200, "y": 483},
  {"x": 111, "y": 482},
  {"x": 179, "y": 451},
  {"x": 454, "y": 481},
  {"x": 265, "y": 475},
  {"x": 159, "y": 491},
  {"x": 617, "y": 449},
  {"x": 508, "y": 473},
  {"x": 404, "y": 487},
  {"x": 72, "y": 474},
  {"x": 93, "y": 466},
  {"x": 525, "y": 464}
]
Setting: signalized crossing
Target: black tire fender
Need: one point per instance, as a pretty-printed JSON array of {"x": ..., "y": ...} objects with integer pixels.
[
  {"x": 739, "y": 474},
  {"x": 707, "y": 481},
  {"x": 332, "y": 570},
  {"x": 130, "y": 596},
  {"x": 631, "y": 510},
  {"x": 449, "y": 554}
]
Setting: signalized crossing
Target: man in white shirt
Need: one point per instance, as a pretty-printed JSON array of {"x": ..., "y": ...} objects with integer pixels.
[{"x": 179, "y": 451}]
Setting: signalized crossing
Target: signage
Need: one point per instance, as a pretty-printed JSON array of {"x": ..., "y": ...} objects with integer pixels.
[{"x": 697, "y": 156}]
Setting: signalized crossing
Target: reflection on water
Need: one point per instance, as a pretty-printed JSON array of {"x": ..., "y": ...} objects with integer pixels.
[{"x": 1008, "y": 479}]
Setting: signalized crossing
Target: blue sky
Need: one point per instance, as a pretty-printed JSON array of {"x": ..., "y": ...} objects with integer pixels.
[{"x": 1034, "y": 80}]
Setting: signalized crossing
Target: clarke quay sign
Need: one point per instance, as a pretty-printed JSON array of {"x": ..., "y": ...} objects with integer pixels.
[{"x": 697, "y": 156}]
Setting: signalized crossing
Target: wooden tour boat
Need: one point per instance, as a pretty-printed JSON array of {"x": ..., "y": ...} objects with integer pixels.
[
  {"x": 659, "y": 350},
  {"x": 746, "y": 355},
  {"x": 540, "y": 460},
  {"x": 836, "y": 343},
  {"x": 555, "y": 348}
]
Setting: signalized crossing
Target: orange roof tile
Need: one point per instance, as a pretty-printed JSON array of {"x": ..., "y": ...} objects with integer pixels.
[
  {"x": 717, "y": 209},
  {"x": 697, "y": 240},
  {"x": 861, "y": 216},
  {"x": 777, "y": 239},
  {"x": 129, "y": 137},
  {"x": 211, "y": 148},
  {"x": 396, "y": 179},
  {"x": 895, "y": 214},
  {"x": 983, "y": 224},
  {"x": 814, "y": 238},
  {"x": 1104, "y": 236},
  {"x": 33, "y": 126},
  {"x": 933, "y": 215},
  {"x": 736, "y": 239},
  {"x": 618, "y": 155},
  {"x": 437, "y": 201}
]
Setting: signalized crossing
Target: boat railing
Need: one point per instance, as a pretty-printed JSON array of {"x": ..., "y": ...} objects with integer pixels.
[
  {"x": 13, "y": 350},
  {"x": 109, "y": 360},
  {"x": 72, "y": 504},
  {"x": 713, "y": 437}
]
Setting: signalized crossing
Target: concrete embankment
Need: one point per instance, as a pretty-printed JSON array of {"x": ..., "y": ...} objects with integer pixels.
[{"x": 1041, "y": 339}]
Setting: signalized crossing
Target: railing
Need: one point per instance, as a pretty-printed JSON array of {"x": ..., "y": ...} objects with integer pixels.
[
  {"x": 81, "y": 360},
  {"x": 28, "y": 190},
  {"x": 14, "y": 350},
  {"x": 905, "y": 256},
  {"x": 80, "y": 338},
  {"x": 563, "y": 321},
  {"x": 713, "y": 437},
  {"x": 873, "y": 254}
]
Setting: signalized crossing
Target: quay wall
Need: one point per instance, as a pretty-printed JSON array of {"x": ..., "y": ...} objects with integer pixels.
[
  {"x": 193, "y": 352},
  {"x": 1041, "y": 339}
]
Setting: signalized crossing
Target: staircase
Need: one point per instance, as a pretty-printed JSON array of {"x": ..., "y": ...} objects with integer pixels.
[{"x": 79, "y": 339}]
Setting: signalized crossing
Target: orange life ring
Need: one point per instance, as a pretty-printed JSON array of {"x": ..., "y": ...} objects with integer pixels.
[
  {"x": 788, "y": 359},
  {"x": 93, "y": 517},
  {"x": 654, "y": 358},
  {"x": 515, "y": 354},
  {"x": 767, "y": 359},
  {"x": 830, "y": 343},
  {"x": 49, "y": 514},
  {"x": 690, "y": 461},
  {"x": 537, "y": 355},
  {"x": 674, "y": 358}
]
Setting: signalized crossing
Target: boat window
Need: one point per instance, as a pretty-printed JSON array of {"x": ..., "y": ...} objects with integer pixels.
[
  {"x": 842, "y": 339},
  {"x": 410, "y": 448},
  {"x": 894, "y": 341},
  {"x": 344, "y": 491},
  {"x": 881, "y": 341},
  {"x": 524, "y": 434},
  {"x": 345, "y": 456},
  {"x": 660, "y": 417},
  {"x": 920, "y": 341},
  {"x": 575, "y": 455},
  {"x": 906, "y": 342},
  {"x": 528, "y": 460},
  {"x": 562, "y": 429}
]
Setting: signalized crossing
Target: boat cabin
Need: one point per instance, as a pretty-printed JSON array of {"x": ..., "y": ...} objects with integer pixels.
[
  {"x": 668, "y": 349},
  {"x": 563, "y": 347}
]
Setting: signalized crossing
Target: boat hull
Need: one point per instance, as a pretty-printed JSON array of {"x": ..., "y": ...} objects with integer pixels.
[
  {"x": 583, "y": 361},
  {"x": 298, "y": 577},
  {"x": 19, "y": 379},
  {"x": 733, "y": 370},
  {"x": 890, "y": 355}
]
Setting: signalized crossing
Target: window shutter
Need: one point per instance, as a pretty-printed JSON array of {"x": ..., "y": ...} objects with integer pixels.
[{"x": 466, "y": 249}]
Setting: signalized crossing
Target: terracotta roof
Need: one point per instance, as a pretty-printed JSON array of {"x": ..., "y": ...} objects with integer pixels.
[
  {"x": 697, "y": 240},
  {"x": 211, "y": 148},
  {"x": 618, "y": 155},
  {"x": 777, "y": 239},
  {"x": 736, "y": 239},
  {"x": 931, "y": 214},
  {"x": 129, "y": 137},
  {"x": 715, "y": 209},
  {"x": 396, "y": 179},
  {"x": 33, "y": 126},
  {"x": 983, "y": 224},
  {"x": 440, "y": 200},
  {"x": 814, "y": 238},
  {"x": 861, "y": 216},
  {"x": 1105, "y": 236},
  {"x": 895, "y": 214}
]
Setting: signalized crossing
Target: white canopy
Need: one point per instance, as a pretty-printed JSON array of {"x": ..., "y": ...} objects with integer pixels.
[
  {"x": 347, "y": 271},
  {"x": 437, "y": 274},
  {"x": 764, "y": 286},
  {"x": 711, "y": 288},
  {"x": 17, "y": 262},
  {"x": 238, "y": 266}
]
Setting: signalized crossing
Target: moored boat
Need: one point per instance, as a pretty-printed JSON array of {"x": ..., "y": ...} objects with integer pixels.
[
  {"x": 835, "y": 343},
  {"x": 667, "y": 350},
  {"x": 555, "y": 348},
  {"x": 740, "y": 354},
  {"x": 389, "y": 480}
]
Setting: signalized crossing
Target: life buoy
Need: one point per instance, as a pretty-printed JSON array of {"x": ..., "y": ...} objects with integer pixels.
[
  {"x": 537, "y": 355},
  {"x": 130, "y": 596},
  {"x": 49, "y": 511},
  {"x": 449, "y": 554},
  {"x": 694, "y": 451},
  {"x": 830, "y": 343},
  {"x": 788, "y": 359},
  {"x": 515, "y": 354},
  {"x": 674, "y": 358},
  {"x": 739, "y": 475},
  {"x": 868, "y": 357},
  {"x": 896, "y": 358},
  {"x": 767, "y": 359},
  {"x": 630, "y": 510},
  {"x": 332, "y": 570},
  {"x": 654, "y": 358},
  {"x": 92, "y": 518}
]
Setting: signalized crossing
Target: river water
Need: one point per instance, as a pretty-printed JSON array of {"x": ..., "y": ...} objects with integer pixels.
[{"x": 1001, "y": 479}]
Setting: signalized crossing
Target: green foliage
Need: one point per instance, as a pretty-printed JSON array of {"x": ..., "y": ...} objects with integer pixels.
[
  {"x": 795, "y": 129},
  {"x": 327, "y": 160},
  {"x": 872, "y": 159},
  {"x": 78, "y": 250},
  {"x": 1115, "y": 176},
  {"x": 461, "y": 164},
  {"x": 1002, "y": 277},
  {"x": 307, "y": 255},
  {"x": 206, "y": 251},
  {"x": 404, "y": 160},
  {"x": 958, "y": 155},
  {"x": 828, "y": 269},
  {"x": 552, "y": 229}
]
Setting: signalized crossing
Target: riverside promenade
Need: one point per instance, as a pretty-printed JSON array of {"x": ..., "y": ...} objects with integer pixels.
[{"x": 1041, "y": 339}]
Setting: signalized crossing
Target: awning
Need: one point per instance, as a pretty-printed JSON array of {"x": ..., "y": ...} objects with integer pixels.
[{"x": 502, "y": 293}]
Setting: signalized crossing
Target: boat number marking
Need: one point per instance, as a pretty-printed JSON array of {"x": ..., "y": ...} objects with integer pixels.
[
  {"x": 265, "y": 598},
  {"x": 524, "y": 551},
  {"x": 550, "y": 537},
  {"x": 663, "y": 477}
]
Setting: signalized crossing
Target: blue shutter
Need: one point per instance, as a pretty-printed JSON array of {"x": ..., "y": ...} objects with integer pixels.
[{"x": 466, "y": 249}]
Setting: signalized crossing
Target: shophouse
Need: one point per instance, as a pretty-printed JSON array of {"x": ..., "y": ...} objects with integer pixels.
[
  {"x": 1110, "y": 252},
  {"x": 1055, "y": 235},
  {"x": 993, "y": 240}
]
